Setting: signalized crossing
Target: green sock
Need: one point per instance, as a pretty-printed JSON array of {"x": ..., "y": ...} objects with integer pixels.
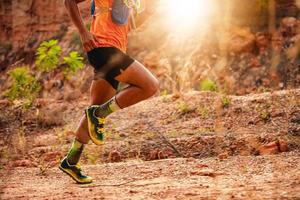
[
  {"x": 75, "y": 152},
  {"x": 107, "y": 108}
]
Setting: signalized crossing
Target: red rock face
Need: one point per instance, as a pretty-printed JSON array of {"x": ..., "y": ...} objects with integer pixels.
[{"x": 26, "y": 23}]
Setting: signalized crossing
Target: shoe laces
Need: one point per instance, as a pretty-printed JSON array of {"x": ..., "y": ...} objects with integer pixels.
[{"x": 101, "y": 120}]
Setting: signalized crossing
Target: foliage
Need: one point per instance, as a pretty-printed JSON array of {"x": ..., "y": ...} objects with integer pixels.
[
  {"x": 24, "y": 84},
  {"x": 73, "y": 63},
  {"x": 225, "y": 101},
  {"x": 183, "y": 108},
  {"x": 88, "y": 26},
  {"x": 265, "y": 115},
  {"x": 48, "y": 54},
  {"x": 208, "y": 85},
  {"x": 203, "y": 111}
]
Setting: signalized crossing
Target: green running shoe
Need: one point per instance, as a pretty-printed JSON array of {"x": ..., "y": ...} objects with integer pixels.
[
  {"x": 75, "y": 172},
  {"x": 95, "y": 125}
]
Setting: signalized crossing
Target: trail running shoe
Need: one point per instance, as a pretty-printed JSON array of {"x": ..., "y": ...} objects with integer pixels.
[
  {"x": 74, "y": 171},
  {"x": 95, "y": 125}
]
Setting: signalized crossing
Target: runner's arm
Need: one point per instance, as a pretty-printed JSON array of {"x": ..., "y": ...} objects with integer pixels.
[{"x": 87, "y": 39}]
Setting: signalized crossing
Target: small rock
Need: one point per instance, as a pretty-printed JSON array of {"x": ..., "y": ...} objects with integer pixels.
[
  {"x": 296, "y": 119},
  {"x": 133, "y": 153},
  {"x": 169, "y": 153},
  {"x": 223, "y": 155},
  {"x": 114, "y": 156},
  {"x": 22, "y": 163},
  {"x": 202, "y": 166},
  {"x": 283, "y": 146},
  {"x": 161, "y": 155},
  {"x": 206, "y": 172},
  {"x": 4, "y": 103},
  {"x": 154, "y": 154},
  {"x": 40, "y": 102},
  {"x": 72, "y": 95},
  {"x": 52, "y": 156},
  {"x": 269, "y": 149}
]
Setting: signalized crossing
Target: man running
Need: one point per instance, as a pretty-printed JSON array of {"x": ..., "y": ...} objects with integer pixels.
[{"x": 105, "y": 45}]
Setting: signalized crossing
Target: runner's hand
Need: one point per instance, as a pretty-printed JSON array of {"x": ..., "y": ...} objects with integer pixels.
[{"x": 88, "y": 41}]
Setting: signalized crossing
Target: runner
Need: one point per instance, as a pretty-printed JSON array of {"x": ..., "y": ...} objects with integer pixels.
[{"x": 105, "y": 45}]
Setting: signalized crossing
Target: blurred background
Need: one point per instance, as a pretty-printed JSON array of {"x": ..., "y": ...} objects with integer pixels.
[{"x": 230, "y": 46}]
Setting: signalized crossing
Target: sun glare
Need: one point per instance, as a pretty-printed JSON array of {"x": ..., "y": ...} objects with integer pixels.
[{"x": 184, "y": 13}]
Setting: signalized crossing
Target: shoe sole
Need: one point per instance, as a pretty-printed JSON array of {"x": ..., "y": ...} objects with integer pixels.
[
  {"x": 91, "y": 128},
  {"x": 74, "y": 178}
]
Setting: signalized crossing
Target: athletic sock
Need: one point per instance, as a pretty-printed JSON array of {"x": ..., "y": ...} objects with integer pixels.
[
  {"x": 75, "y": 152},
  {"x": 107, "y": 108}
]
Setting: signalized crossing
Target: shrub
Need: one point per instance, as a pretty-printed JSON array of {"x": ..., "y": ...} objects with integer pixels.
[
  {"x": 88, "y": 25},
  {"x": 47, "y": 56},
  {"x": 72, "y": 63},
  {"x": 225, "y": 101},
  {"x": 183, "y": 107},
  {"x": 24, "y": 85},
  {"x": 208, "y": 85}
]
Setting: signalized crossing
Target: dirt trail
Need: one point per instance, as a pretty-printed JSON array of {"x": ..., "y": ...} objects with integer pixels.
[
  {"x": 246, "y": 149},
  {"x": 268, "y": 177}
]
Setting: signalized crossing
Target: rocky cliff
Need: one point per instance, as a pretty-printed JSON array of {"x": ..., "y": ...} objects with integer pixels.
[{"x": 25, "y": 23}]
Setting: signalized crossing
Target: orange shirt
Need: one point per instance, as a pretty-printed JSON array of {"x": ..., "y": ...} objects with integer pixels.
[{"x": 108, "y": 33}]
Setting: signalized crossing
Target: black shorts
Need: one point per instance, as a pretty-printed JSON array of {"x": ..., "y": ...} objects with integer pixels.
[{"x": 108, "y": 63}]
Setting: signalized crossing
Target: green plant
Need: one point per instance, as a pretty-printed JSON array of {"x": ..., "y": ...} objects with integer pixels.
[
  {"x": 164, "y": 93},
  {"x": 72, "y": 63},
  {"x": 88, "y": 25},
  {"x": 47, "y": 56},
  {"x": 24, "y": 85},
  {"x": 225, "y": 101},
  {"x": 208, "y": 85},
  {"x": 265, "y": 115},
  {"x": 203, "y": 111},
  {"x": 183, "y": 107}
]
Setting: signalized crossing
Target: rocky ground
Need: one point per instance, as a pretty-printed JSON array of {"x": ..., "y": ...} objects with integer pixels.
[
  {"x": 199, "y": 145},
  {"x": 239, "y": 177}
]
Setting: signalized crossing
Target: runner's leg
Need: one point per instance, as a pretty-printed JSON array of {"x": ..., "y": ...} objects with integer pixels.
[
  {"x": 142, "y": 85},
  {"x": 101, "y": 91}
]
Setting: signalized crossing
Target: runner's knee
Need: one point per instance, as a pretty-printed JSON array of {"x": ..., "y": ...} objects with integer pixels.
[{"x": 151, "y": 88}]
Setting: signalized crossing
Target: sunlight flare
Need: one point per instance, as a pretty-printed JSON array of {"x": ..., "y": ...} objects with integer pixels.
[{"x": 186, "y": 13}]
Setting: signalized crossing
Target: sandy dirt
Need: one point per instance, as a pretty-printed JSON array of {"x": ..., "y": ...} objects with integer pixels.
[
  {"x": 262, "y": 177},
  {"x": 171, "y": 147}
]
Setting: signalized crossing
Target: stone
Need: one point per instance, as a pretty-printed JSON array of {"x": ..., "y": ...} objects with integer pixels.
[
  {"x": 40, "y": 102},
  {"x": 72, "y": 95},
  {"x": 161, "y": 155},
  {"x": 242, "y": 40},
  {"x": 269, "y": 149},
  {"x": 283, "y": 146},
  {"x": 4, "y": 103},
  {"x": 153, "y": 155},
  {"x": 223, "y": 156},
  {"x": 22, "y": 163},
  {"x": 53, "y": 156},
  {"x": 114, "y": 156},
  {"x": 288, "y": 26}
]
